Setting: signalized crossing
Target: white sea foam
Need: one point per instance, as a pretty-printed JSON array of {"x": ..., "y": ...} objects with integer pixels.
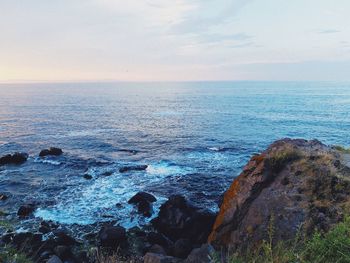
[
  {"x": 93, "y": 200},
  {"x": 47, "y": 161}
]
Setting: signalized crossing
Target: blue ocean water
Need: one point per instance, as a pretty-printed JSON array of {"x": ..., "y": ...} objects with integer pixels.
[{"x": 195, "y": 137}]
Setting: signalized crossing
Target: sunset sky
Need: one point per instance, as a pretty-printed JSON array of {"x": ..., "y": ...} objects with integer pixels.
[{"x": 135, "y": 40}]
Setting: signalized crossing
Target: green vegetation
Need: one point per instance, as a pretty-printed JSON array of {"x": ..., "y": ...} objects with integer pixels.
[
  {"x": 333, "y": 246},
  {"x": 10, "y": 255},
  {"x": 342, "y": 149},
  {"x": 278, "y": 159}
]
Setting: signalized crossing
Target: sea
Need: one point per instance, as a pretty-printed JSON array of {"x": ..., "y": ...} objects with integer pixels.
[{"x": 195, "y": 138}]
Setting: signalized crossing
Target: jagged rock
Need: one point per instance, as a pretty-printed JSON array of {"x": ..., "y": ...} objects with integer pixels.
[
  {"x": 63, "y": 252},
  {"x": 204, "y": 254},
  {"x": 182, "y": 248},
  {"x": 54, "y": 259},
  {"x": 16, "y": 158},
  {"x": 52, "y": 151},
  {"x": 142, "y": 196},
  {"x": 26, "y": 210},
  {"x": 143, "y": 201},
  {"x": 112, "y": 236},
  {"x": 179, "y": 219},
  {"x": 157, "y": 249},
  {"x": 159, "y": 239},
  {"x": 132, "y": 168},
  {"x": 157, "y": 258},
  {"x": 63, "y": 239},
  {"x": 289, "y": 185}
]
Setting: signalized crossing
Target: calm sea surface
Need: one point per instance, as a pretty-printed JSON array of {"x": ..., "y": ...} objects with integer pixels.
[{"x": 194, "y": 137}]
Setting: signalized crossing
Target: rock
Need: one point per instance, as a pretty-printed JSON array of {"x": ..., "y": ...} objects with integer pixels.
[
  {"x": 142, "y": 196},
  {"x": 157, "y": 258},
  {"x": 204, "y": 254},
  {"x": 157, "y": 249},
  {"x": 112, "y": 236},
  {"x": 54, "y": 259},
  {"x": 182, "y": 248},
  {"x": 52, "y": 151},
  {"x": 159, "y": 239},
  {"x": 179, "y": 219},
  {"x": 16, "y": 158},
  {"x": 133, "y": 168},
  {"x": 26, "y": 210},
  {"x": 63, "y": 252},
  {"x": 145, "y": 208},
  {"x": 87, "y": 176},
  {"x": 3, "y": 197},
  {"x": 63, "y": 239},
  {"x": 293, "y": 183},
  {"x": 144, "y": 202}
]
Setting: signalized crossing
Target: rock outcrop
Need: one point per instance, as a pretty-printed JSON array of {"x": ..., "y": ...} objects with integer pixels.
[
  {"x": 295, "y": 185},
  {"x": 52, "y": 151},
  {"x": 16, "y": 158}
]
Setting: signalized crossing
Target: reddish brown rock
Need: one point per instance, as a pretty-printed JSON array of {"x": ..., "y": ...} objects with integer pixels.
[{"x": 293, "y": 184}]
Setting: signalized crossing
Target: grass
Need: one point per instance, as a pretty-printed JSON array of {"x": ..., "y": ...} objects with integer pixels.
[
  {"x": 342, "y": 149},
  {"x": 333, "y": 246},
  {"x": 11, "y": 255},
  {"x": 279, "y": 158}
]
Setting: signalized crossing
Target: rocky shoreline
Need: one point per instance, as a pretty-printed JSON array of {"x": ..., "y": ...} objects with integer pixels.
[{"x": 299, "y": 185}]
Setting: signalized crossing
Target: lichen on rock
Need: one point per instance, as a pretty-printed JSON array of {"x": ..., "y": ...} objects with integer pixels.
[{"x": 300, "y": 185}]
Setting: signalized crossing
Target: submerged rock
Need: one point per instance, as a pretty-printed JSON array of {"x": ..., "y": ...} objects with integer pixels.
[
  {"x": 125, "y": 169},
  {"x": 52, "y": 151},
  {"x": 143, "y": 201},
  {"x": 3, "y": 197},
  {"x": 142, "y": 196},
  {"x": 16, "y": 158},
  {"x": 178, "y": 219},
  {"x": 26, "y": 210},
  {"x": 293, "y": 184}
]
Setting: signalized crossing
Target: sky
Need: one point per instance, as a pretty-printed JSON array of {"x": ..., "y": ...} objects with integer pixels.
[{"x": 174, "y": 40}]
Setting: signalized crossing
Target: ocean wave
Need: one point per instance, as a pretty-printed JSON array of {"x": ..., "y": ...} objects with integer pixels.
[{"x": 46, "y": 161}]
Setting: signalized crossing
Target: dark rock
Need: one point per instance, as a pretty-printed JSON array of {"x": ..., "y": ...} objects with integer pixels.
[
  {"x": 61, "y": 238},
  {"x": 133, "y": 168},
  {"x": 182, "y": 248},
  {"x": 54, "y": 259},
  {"x": 108, "y": 173},
  {"x": 112, "y": 236},
  {"x": 27, "y": 241},
  {"x": 261, "y": 194},
  {"x": 157, "y": 258},
  {"x": 16, "y": 158},
  {"x": 3, "y": 197},
  {"x": 142, "y": 196},
  {"x": 204, "y": 254},
  {"x": 143, "y": 201},
  {"x": 157, "y": 249},
  {"x": 63, "y": 252},
  {"x": 145, "y": 208},
  {"x": 52, "y": 151},
  {"x": 179, "y": 219},
  {"x": 87, "y": 176},
  {"x": 7, "y": 238},
  {"x": 159, "y": 239},
  {"x": 26, "y": 210}
]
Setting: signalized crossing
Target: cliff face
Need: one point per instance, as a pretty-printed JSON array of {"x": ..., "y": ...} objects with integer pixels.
[{"x": 295, "y": 185}]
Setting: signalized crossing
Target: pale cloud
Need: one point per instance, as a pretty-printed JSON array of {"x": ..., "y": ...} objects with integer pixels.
[{"x": 171, "y": 39}]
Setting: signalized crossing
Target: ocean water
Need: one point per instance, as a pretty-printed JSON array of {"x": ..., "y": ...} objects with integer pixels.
[{"x": 195, "y": 138}]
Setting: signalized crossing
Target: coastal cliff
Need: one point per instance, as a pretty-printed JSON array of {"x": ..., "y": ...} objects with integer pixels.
[{"x": 297, "y": 186}]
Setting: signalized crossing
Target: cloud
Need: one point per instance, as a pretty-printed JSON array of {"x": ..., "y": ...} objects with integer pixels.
[{"x": 329, "y": 31}]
